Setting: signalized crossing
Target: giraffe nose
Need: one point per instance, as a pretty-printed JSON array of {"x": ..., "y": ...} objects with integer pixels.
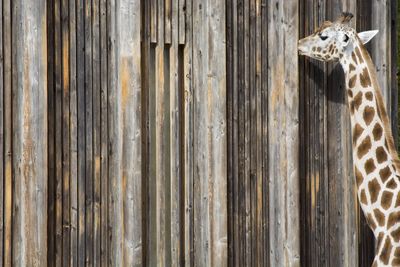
[{"x": 303, "y": 49}]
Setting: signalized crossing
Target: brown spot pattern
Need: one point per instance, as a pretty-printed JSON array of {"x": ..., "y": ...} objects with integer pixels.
[
  {"x": 377, "y": 132},
  {"x": 374, "y": 187},
  {"x": 385, "y": 173},
  {"x": 364, "y": 78},
  {"x": 370, "y": 221},
  {"x": 397, "y": 204},
  {"x": 386, "y": 199},
  {"x": 391, "y": 184},
  {"x": 357, "y": 131},
  {"x": 381, "y": 155},
  {"x": 359, "y": 177},
  {"x": 369, "y": 166},
  {"x": 357, "y": 100},
  {"x": 352, "y": 67},
  {"x": 369, "y": 113},
  {"x": 360, "y": 59},
  {"x": 394, "y": 218},
  {"x": 380, "y": 217},
  {"x": 353, "y": 56},
  {"x": 352, "y": 81},
  {"x": 364, "y": 147},
  {"x": 369, "y": 96},
  {"x": 363, "y": 197},
  {"x": 385, "y": 251},
  {"x": 350, "y": 93},
  {"x": 396, "y": 234},
  {"x": 397, "y": 252}
]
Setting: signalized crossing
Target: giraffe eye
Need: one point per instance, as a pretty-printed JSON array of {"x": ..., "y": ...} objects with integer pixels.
[
  {"x": 323, "y": 38},
  {"x": 346, "y": 38}
]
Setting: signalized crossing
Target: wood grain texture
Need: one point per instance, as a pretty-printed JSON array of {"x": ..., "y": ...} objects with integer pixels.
[
  {"x": 2, "y": 134},
  {"x": 125, "y": 135},
  {"x": 179, "y": 133},
  {"x": 8, "y": 156},
  {"x": 29, "y": 104},
  {"x": 209, "y": 148},
  {"x": 283, "y": 124}
]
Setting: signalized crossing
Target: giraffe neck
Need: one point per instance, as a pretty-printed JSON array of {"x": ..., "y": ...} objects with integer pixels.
[{"x": 375, "y": 158}]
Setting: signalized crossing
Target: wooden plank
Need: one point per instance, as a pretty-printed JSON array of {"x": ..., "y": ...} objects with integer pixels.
[
  {"x": 125, "y": 135},
  {"x": 81, "y": 142},
  {"x": 257, "y": 136},
  {"x": 393, "y": 7},
  {"x": 145, "y": 102},
  {"x": 58, "y": 125},
  {"x": 168, "y": 6},
  {"x": 209, "y": 96},
  {"x": 51, "y": 135},
  {"x": 66, "y": 209},
  {"x": 313, "y": 174},
  {"x": 74, "y": 139},
  {"x": 175, "y": 141},
  {"x": 162, "y": 154},
  {"x": 381, "y": 50},
  {"x": 154, "y": 21},
  {"x": 89, "y": 157},
  {"x": 232, "y": 138},
  {"x": 104, "y": 184},
  {"x": 283, "y": 106},
  {"x": 2, "y": 134},
  {"x": 7, "y": 260},
  {"x": 96, "y": 105},
  {"x": 186, "y": 79},
  {"x": 244, "y": 119},
  {"x": 182, "y": 21},
  {"x": 264, "y": 119},
  {"x": 342, "y": 196},
  {"x": 29, "y": 127}
]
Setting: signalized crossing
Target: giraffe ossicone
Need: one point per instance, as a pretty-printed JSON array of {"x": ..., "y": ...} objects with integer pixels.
[{"x": 376, "y": 163}]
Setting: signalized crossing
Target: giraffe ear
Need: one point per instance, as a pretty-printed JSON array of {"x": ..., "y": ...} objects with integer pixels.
[{"x": 366, "y": 36}]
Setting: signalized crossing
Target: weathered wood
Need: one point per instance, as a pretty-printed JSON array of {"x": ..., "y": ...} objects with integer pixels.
[
  {"x": 89, "y": 133},
  {"x": 81, "y": 143},
  {"x": 209, "y": 149},
  {"x": 96, "y": 164},
  {"x": 342, "y": 193},
  {"x": 58, "y": 125},
  {"x": 124, "y": 133},
  {"x": 283, "y": 124},
  {"x": 182, "y": 21},
  {"x": 104, "y": 151},
  {"x": 8, "y": 156},
  {"x": 2, "y": 134},
  {"x": 51, "y": 225},
  {"x": 162, "y": 153},
  {"x": 73, "y": 109},
  {"x": 188, "y": 136},
  {"x": 154, "y": 20},
  {"x": 175, "y": 139},
  {"x": 179, "y": 133},
  {"x": 66, "y": 209},
  {"x": 29, "y": 106}
]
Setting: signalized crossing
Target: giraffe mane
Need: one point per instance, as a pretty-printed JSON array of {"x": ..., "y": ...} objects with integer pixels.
[{"x": 381, "y": 106}]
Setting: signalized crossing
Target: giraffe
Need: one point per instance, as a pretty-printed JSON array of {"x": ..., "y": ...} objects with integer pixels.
[{"x": 376, "y": 163}]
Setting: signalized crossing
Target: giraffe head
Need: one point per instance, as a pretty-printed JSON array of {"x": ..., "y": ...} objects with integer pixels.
[{"x": 333, "y": 40}]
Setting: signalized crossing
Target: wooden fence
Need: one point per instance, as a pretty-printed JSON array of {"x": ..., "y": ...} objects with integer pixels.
[{"x": 180, "y": 133}]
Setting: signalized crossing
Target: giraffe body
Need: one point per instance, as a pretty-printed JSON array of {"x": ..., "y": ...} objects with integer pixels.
[{"x": 376, "y": 164}]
